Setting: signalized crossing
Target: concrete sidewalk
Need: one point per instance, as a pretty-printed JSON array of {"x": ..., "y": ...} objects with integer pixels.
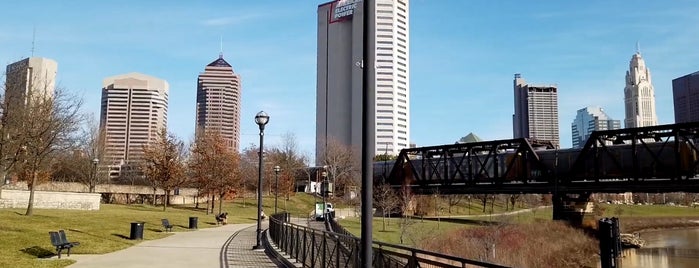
[{"x": 225, "y": 246}]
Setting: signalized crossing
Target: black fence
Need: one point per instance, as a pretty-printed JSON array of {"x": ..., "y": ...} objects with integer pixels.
[{"x": 338, "y": 248}]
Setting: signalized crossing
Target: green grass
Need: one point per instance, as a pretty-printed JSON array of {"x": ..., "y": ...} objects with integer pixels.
[
  {"x": 24, "y": 239},
  {"x": 419, "y": 228},
  {"x": 611, "y": 210}
]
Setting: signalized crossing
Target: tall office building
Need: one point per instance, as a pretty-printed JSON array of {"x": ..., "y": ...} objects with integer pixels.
[
  {"x": 685, "y": 93},
  {"x": 30, "y": 77},
  {"x": 591, "y": 119},
  {"x": 134, "y": 111},
  {"x": 339, "y": 75},
  {"x": 218, "y": 102},
  {"x": 536, "y": 111},
  {"x": 639, "y": 95}
]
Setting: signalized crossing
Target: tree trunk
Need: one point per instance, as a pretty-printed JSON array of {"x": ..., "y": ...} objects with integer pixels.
[
  {"x": 30, "y": 205},
  {"x": 384, "y": 221},
  {"x": 3, "y": 174},
  {"x": 196, "y": 199},
  {"x": 154, "y": 196},
  {"x": 213, "y": 202},
  {"x": 220, "y": 203},
  {"x": 166, "y": 198}
]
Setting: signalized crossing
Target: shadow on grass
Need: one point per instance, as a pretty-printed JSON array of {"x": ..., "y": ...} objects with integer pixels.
[
  {"x": 38, "y": 252},
  {"x": 188, "y": 208},
  {"x": 460, "y": 221},
  {"x": 121, "y": 236}
]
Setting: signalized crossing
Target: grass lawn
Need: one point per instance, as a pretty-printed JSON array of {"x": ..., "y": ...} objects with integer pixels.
[
  {"x": 418, "y": 228},
  {"x": 611, "y": 210},
  {"x": 24, "y": 240}
]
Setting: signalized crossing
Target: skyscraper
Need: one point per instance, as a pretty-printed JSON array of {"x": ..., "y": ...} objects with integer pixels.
[
  {"x": 339, "y": 75},
  {"x": 536, "y": 111},
  {"x": 134, "y": 111},
  {"x": 591, "y": 119},
  {"x": 218, "y": 102},
  {"x": 685, "y": 93},
  {"x": 30, "y": 76},
  {"x": 639, "y": 95}
]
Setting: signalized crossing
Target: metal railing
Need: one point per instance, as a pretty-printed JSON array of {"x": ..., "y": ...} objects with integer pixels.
[{"x": 318, "y": 248}]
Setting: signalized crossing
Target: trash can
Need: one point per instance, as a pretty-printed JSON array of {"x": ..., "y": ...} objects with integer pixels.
[
  {"x": 193, "y": 222},
  {"x": 136, "y": 230}
]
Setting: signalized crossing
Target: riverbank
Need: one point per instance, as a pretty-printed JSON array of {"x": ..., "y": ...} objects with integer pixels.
[{"x": 644, "y": 224}]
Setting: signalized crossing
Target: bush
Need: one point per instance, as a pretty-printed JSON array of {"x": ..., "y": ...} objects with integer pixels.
[{"x": 529, "y": 245}]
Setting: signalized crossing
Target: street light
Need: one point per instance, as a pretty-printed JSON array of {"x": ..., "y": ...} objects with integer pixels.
[
  {"x": 261, "y": 120},
  {"x": 324, "y": 191},
  {"x": 95, "y": 161},
  {"x": 276, "y": 186}
]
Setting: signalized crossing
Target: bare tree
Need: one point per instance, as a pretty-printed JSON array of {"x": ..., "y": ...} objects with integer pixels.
[
  {"x": 289, "y": 158},
  {"x": 164, "y": 163},
  {"x": 386, "y": 199},
  {"x": 342, "y": 165},
  {"x": 79, "y": 164},
  {"x": 484, "y": 200},
  {"x": 453, "y": 200},
  {"x": 406, "y": 198},
  {"x": 53, "y": 120},
  {"x": 248, "y": 169}
]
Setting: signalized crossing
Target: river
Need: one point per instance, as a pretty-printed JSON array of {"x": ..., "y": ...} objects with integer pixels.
[{"x": 675, "y": 248}]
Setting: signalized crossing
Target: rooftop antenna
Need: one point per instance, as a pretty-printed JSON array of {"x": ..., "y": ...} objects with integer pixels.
[
  {"x": 33, "y": 39},
  {"x": 638, "y": 47},
  {"x": 220, "y": 53}
]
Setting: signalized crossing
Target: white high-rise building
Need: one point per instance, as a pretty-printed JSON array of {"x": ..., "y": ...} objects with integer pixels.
[
  {"x": 639, "y": 95},
  {"x": 591, "y": 119},
  {"x": 339, "y": 81}
]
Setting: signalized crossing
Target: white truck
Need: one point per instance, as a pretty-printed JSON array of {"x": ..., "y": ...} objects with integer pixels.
[{"x": 320, "y": 209}]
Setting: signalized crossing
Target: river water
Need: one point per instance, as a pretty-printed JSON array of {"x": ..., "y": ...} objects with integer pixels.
[{"x": 676, "y": 248}]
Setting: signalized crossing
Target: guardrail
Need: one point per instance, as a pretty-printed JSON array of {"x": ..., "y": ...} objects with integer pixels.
[{"x": 318, "y": 248}]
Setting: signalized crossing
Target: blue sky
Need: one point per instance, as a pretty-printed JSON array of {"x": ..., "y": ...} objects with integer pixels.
[{"x": 463, "y": 56}]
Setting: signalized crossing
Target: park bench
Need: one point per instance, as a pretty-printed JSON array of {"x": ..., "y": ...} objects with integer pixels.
[
  {"x": 60, "y": 241},
  {"x": 222, "y": 218},
  {"x": 167, "y": 225}
]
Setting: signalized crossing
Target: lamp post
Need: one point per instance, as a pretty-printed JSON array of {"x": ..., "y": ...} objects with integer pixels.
[
  {"x": 276, "y": 186},
  {"x": 315, "y": 201},
  {"x": 261, "y": 119},
  {"x": 95, "y": 161},
  {"x": 324, "y": 191}
]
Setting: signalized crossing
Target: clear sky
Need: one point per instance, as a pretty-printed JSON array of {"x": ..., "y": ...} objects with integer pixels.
[{"x": 463, "y": 56}]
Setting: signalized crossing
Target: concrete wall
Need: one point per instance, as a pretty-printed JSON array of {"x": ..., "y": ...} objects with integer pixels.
[
  {"x": 50, "y": 200},
  {"x": 113, "y": 193}
]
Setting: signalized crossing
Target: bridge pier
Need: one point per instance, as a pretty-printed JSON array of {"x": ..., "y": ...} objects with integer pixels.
[{"x": 571, "y": 207}]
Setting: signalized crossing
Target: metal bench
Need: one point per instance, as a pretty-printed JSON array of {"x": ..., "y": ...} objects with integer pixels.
[
  {"x": 60, "y": 241},
  {"x": 167, "y": 225}
]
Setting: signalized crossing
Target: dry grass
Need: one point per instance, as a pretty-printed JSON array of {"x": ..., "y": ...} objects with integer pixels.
[{"x": 539, "y": 244}]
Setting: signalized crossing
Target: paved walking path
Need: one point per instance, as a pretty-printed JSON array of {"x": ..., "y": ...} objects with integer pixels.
[{"x": 225, "y": 246}]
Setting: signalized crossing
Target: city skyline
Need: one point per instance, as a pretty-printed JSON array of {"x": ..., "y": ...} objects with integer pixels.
[{"x": 463, "y": 60}]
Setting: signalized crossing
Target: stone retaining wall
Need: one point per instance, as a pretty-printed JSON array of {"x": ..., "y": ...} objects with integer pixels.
[{"x": 50, "y": 200}]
